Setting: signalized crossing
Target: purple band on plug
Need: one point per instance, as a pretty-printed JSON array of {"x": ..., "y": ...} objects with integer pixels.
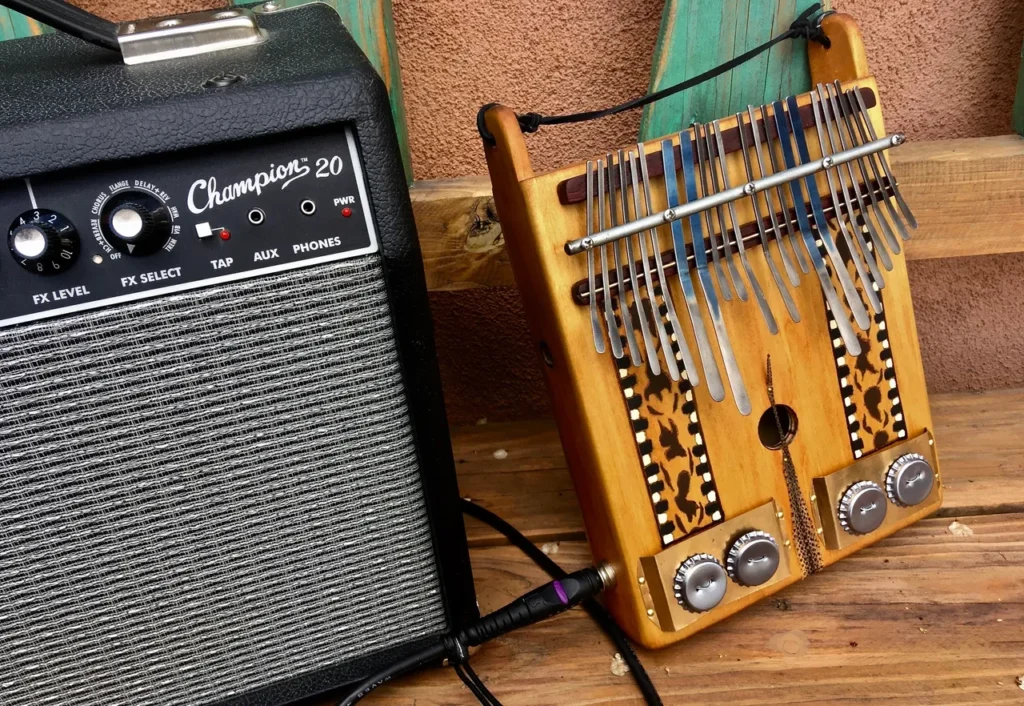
[{"x": 561, "y": 593}]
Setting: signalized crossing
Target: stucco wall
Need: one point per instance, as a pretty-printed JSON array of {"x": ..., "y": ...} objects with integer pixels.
[{"x": 944, "y": 69}]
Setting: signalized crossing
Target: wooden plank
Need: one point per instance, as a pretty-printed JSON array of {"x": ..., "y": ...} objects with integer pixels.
[
  {"x": 697, "y": 35},
  {"x": 371, "y": 24},
  {"x": 980, "y": 440},
  {"x": 460, "y": 237},
  {"x": 1018, "y": 106},
  {"x": 924, "y": 617},
  {"x": 967, "y": 194},
  {"x": 14, "y": 25}
]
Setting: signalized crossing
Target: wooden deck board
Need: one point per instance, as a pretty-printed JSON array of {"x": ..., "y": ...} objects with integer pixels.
[
  {"x": 980, "y": 439},
  {"x": 923, "y": 617}
]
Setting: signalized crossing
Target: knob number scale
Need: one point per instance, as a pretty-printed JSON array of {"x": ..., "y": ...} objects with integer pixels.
[
  {"x": 180, "y": 222},
  {"x": 43, "y": 241}
]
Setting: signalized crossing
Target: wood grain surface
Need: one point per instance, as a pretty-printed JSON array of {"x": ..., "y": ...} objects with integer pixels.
[
  {"x": 967, "y": 195},
  {"x": 923, "y": 617}
]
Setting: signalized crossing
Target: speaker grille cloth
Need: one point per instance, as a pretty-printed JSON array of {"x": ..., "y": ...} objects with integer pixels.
[{"x": 207, "y": 493}]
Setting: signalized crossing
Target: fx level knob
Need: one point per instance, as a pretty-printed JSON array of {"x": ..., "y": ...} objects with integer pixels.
[
  {"x": 136, "y": 222},
  {"x": 43, "y": 241}
]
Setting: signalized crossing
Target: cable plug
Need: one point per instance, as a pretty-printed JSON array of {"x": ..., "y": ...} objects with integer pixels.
[{"x": 537, "y": 605}]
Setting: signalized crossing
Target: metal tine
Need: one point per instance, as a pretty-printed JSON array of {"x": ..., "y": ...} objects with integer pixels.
[
  {"x": 700, "y": 334},
  {"x": 842, "y": 119},
  {"x": 877, "y": 251},
  {"x": 595, "y": 319},
  {"x": 721, "y": 274},
  {"x": 659, "y": 323},
  {"x": 621, "y": 273},
  {"x": 794, "y": 278},
  {"x": 864, "y": 212},
  {"x": 712, "y": 187},
  {"x": 638, "y": 296},
  {"x": 851, "y": 110},
  {"x": 797, "y": 253},
  {"x": 820, "y": 116},
  {"x": 755, "y": 286},
  {"x": 826, "y": 140},
  {"x": 846, "y": 332},
  {"x": 780, "y": 285},
  {"x": 824, "y": 120},
  {"x": 609, "y": 314},
  {"x": 666, "y": 293},
  {"x": 796, "y": 129},
  {"x": 863, "y": 113},
  {"x": 732, "y": 368}
]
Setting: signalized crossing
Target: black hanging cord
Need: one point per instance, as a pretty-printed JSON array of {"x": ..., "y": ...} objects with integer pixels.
[
  {"x": 807, "y": 25},
  {"x": 69, "y": 19},
  {"x": 566, "y": 591}
]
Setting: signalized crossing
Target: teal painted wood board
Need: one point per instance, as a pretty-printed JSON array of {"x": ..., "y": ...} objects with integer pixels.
[{"x": 697, "y": 35}]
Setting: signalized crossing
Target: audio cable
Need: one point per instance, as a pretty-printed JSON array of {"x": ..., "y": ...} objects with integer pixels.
[{"x": 557, "y": 596}]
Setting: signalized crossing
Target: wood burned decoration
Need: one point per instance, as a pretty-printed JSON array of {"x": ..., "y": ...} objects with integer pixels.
[
  {"x": 867, "y": 382},
  {"x": 669, "y": 442}
]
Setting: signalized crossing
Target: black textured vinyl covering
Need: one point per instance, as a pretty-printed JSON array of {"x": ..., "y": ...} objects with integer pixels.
[{"x": 65, "y": 103}]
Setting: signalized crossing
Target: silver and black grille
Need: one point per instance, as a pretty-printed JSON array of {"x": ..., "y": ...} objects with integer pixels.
[{"x": 207, "y": 493}]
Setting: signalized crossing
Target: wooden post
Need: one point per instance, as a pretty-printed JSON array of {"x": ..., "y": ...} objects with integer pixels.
[
  {"x": 14, "y": 25},
  {"x": 1018, "y": 106},
  {"x": 371, "y": 24},
  {"x": 697, "y": 35}
]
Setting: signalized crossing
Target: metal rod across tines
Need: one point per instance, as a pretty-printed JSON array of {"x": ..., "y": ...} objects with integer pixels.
[{"x": 726, "y": 196}]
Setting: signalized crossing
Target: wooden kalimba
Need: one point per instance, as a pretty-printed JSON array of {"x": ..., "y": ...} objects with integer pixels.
[{"x": 727, "y": 331}]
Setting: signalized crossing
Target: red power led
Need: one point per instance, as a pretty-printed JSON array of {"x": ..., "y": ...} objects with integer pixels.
[
  {"x": 225, "y": 234},
  {"x": 346, "y": 212}
]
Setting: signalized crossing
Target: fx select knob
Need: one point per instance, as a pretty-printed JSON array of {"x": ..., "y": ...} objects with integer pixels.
[
  {"x": 136, "y": 222},
  {"x": 43, "y": 241}
]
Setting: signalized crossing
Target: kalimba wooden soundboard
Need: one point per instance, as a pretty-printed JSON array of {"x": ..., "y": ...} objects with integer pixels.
[{"x": 725, "y": 322}]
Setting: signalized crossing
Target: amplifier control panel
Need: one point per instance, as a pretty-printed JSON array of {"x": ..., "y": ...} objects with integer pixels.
[{"x": 98, "y": 236}]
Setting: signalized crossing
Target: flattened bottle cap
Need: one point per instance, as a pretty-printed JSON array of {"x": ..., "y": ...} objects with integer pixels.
[
  {"x": 700, "y": 583},
  {"x": 910, "y": 480},
  {"x": 753, "y": 558},
  {"x": 862, "y": 508}
]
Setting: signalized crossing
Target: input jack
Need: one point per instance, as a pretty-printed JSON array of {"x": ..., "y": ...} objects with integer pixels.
[
  {"x": 308, "y": 207},
  {"x": 257, "y": 217}
]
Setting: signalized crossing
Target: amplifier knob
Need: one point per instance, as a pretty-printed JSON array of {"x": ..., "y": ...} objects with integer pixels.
[
  {"x": 136, "y": 222},
  {"x": 700, "y": 583},
  {"x": 910, "y": 480},
  {"x": 753, "y": 558},
  {"x": 862, "y": 508},
  {"x": 43, "y": 241}
]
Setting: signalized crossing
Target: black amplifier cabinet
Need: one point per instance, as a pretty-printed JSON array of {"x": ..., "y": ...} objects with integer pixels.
[{"x": 225, "y": 471}]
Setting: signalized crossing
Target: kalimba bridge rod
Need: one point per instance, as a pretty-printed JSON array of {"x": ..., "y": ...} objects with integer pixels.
[
  {"x": 802, "y": 171},
  {"x": 581, "y": 290}
]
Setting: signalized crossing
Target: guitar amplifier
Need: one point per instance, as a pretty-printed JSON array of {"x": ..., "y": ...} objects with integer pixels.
[{"x": 225, "y": 471}]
